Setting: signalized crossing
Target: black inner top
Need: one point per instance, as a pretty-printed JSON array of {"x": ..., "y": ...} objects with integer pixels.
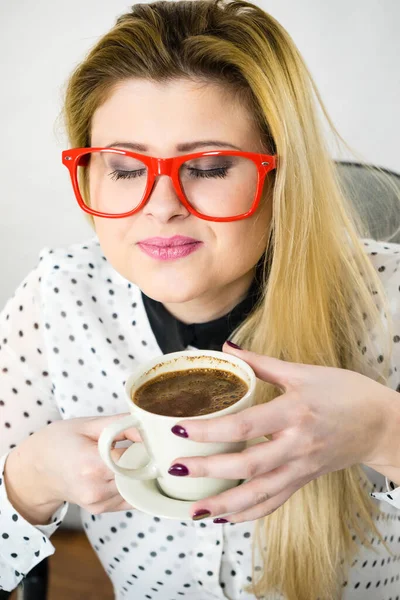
[{"x": 172, "y": 335}]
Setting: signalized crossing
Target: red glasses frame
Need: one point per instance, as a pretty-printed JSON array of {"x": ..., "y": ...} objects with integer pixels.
[{"x": 167, "y": 166}]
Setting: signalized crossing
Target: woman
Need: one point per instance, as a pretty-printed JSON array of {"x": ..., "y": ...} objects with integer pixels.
[{"x": 258, "y": 244}]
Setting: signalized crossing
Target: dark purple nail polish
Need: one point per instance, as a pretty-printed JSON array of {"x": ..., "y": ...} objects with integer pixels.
[
  {"x": 232, "y": 345},
  {"x": 179, "y": 470},
  {"x": 220, "y": 521},
  {"x": 178, "y": 430},
  {"x": 201, "y": 514}
]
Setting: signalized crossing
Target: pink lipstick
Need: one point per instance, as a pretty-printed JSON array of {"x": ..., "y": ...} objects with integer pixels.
[{"x": 171, "y": 248}]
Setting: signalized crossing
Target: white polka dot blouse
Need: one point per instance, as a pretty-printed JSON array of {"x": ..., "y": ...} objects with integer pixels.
[{"x": 69, "y": 336}]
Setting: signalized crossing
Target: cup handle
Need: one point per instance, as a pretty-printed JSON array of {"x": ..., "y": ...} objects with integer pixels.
[{"x": 149, "y": 471}]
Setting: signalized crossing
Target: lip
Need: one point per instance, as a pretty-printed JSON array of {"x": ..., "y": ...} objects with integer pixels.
[
  {"x": 171, "y": 242},
  {"x": 172, "y": 251}
]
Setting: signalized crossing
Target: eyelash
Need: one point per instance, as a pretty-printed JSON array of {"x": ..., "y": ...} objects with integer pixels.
[{"x": 221, "y": 172}]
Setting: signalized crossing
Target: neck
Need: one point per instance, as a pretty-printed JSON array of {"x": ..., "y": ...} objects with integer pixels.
[{"x": 214, "y": 304}]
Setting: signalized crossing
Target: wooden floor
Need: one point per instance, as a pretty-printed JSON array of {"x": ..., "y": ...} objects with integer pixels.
[{"x": 75, "y": 571}]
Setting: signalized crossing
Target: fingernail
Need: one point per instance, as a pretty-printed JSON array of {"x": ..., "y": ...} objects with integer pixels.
[
  {"x": 201, "y": 514},
  {"x": 179, "y": 470},
  {"x": 232, "y": 345},
  {"x": 220, "y": 521},
  {"x": 178, "y": 430}
]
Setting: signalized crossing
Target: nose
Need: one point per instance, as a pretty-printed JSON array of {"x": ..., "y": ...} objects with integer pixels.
[{"x": 163, "y": 203}]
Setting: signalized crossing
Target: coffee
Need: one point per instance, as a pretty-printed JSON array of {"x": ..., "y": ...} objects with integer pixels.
[{"x": 190, "y": 393}]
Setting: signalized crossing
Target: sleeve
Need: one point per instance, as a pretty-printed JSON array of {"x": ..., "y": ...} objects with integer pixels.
[
  {"x": 26, "y": 405},
  {"x": 391, "y": 281}
]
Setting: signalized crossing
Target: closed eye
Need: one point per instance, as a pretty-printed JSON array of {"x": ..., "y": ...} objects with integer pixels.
[
  {"x": 197, "y": 173},
  {"x": 115, "y": 175}
]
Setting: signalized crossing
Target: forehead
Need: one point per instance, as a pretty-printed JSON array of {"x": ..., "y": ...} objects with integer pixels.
[{"x": 166, "y": 114}]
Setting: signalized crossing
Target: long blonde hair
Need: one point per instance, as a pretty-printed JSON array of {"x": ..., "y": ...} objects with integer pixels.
[{"x": 321, "y": 293}]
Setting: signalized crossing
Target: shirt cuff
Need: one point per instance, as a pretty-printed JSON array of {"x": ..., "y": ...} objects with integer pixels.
[
  {"x": 392, "y": 496},
  {"x": 22, "y": 545}
]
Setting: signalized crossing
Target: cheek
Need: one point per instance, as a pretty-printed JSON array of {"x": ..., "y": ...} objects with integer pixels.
[
  {"x": 259, "y": 225},
  {"x": 246, "y": 240},
  {"x": 113, "y": 236}
]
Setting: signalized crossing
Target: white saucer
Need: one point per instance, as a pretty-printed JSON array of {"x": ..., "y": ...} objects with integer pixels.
[{"x": 146, "y": 495}]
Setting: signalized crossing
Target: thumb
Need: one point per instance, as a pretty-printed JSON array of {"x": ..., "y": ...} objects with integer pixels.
[
  {"x": 285, "y": 375},
  {"x": 93, "y": 427}
]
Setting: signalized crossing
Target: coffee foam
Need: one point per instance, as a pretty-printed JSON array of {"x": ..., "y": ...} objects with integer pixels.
[{"x": 191, "y": 392}]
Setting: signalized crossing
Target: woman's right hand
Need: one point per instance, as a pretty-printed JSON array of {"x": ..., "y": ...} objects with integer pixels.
[{"x": 61, "y": 462}]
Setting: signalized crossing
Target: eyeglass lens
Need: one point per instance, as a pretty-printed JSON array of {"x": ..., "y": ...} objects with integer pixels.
[{"x": 215, "y": 186}]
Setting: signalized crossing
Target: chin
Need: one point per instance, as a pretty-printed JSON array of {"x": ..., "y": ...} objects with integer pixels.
[
  {"x": 170, "y": 284},
  {"x": 169, "y": 294}
]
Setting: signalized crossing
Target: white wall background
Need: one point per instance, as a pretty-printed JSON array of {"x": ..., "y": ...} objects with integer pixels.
[{"x": 352, "y": 49}]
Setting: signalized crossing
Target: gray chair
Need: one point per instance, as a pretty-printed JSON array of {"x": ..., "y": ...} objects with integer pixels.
[
  {"x": 381, "y": 209},
  {"x": 375, "y": 201}
]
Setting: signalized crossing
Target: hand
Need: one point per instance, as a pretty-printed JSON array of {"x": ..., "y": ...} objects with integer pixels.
[
  {"x": 60, "y": 463},
  {"x": 327, "y": 419}
]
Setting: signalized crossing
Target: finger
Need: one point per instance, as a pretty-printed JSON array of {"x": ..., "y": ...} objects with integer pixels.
[
  {"x": 285, "y": 375},
  {"x": 104, "y": 494},
  {"x": 251, "y": 462},
  {"x": 131, "y": 434},
  {"x": 258, "y": 490},
  {"x": 110, "y": 492},
  {"x": 262, "y": 509},
  {"x": 119, "y": 503},
  {"x": 116, "y": 453},
  {"x": 124, "y": 505},
  {"x": 250, "y": 423},
  {"x": 112, "y": 503},
  {"x": 106, "y": 473},
  {"x": 93, "y": 427}
]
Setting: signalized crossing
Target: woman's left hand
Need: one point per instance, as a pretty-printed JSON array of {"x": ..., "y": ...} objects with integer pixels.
[{"x": 327, "y": 419}]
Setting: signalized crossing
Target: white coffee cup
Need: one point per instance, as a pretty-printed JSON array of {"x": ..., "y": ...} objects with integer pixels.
[{"x": 162, "y": 446}]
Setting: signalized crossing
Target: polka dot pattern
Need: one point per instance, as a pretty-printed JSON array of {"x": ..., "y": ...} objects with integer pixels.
[{"x": 69, "y": 337}]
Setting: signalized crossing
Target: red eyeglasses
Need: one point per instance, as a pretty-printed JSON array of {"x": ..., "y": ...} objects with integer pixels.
[{"x": 216, "y": 185}]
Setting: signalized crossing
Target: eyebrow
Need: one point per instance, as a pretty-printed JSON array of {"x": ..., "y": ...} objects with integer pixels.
[{"x": 186, "y": 147}]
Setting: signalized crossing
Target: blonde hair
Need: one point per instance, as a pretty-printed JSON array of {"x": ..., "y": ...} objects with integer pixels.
[{"x": 321, "y": 291}]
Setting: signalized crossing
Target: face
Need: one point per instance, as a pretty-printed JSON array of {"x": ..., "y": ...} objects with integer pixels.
[{"x": 162, "y": 116}]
